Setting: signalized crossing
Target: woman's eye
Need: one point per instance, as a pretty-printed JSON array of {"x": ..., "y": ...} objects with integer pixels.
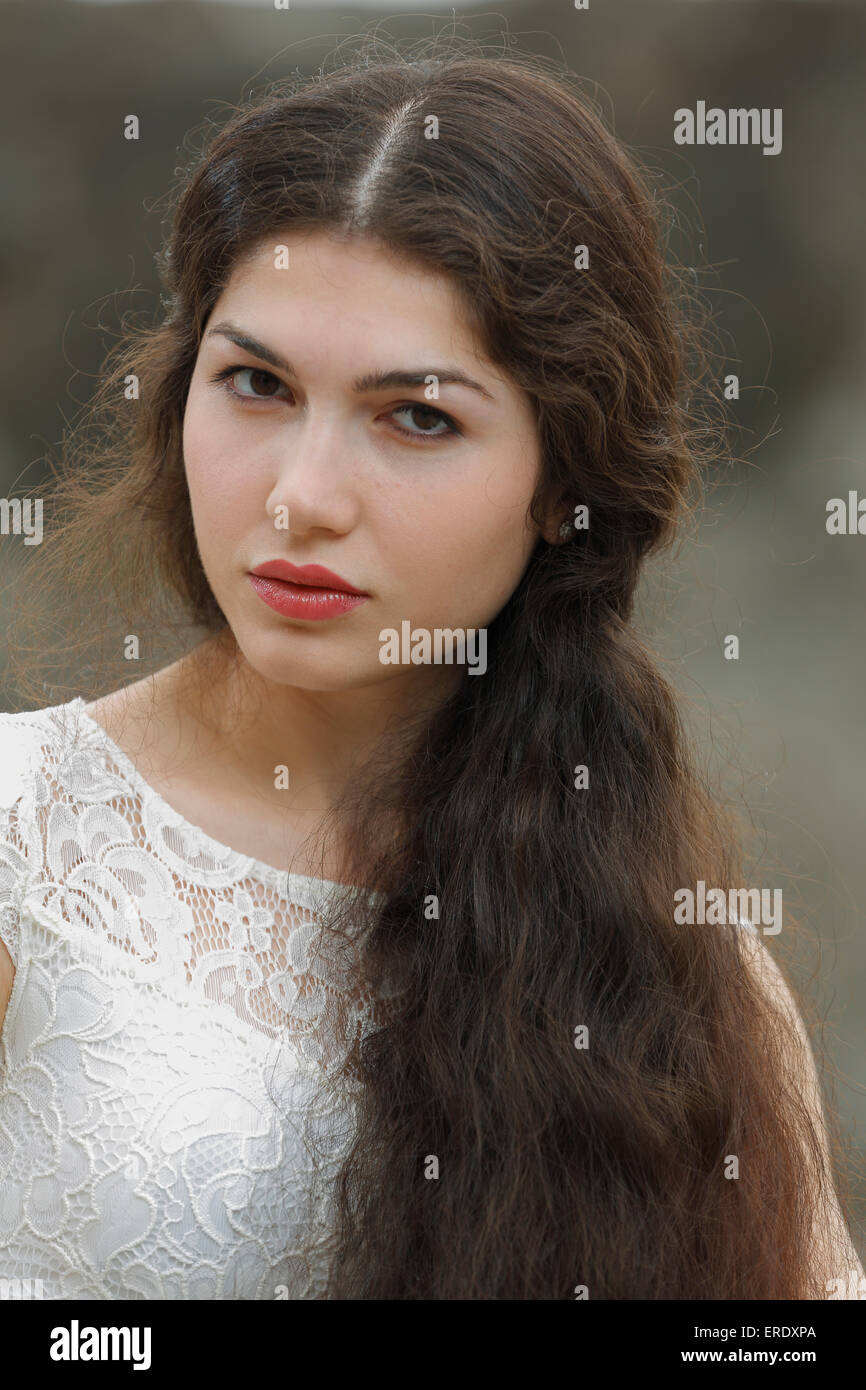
[
  {"x": 426, "y": 411},
  {"x": 263, "y": 385}
]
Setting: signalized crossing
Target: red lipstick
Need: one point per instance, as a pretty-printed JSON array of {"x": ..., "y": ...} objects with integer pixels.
[{"x": 304, "y": 591}]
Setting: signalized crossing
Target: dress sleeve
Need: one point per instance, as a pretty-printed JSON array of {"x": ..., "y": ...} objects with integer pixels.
[{"x": 16, "y": 852}]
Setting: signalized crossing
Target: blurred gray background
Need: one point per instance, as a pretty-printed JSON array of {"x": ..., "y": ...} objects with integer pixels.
[{"x": 783, "y": 725}]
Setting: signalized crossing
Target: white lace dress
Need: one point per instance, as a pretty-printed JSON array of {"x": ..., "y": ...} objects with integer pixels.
[{"x": 165, "y": 1129}]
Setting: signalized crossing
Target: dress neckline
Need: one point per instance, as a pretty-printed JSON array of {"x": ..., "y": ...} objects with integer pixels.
[{"x": 294, "y": 885}]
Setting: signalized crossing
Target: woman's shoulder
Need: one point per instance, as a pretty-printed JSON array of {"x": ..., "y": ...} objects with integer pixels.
[
  {"x": 43, "y": 741},
  {"x": 34, "y": 746},
  {"x": 56, "y": 780},
  {"x": 25, "y": 740}
]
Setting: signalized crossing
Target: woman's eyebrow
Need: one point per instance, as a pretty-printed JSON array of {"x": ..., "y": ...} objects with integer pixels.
[{"x": 370, "y": 381}]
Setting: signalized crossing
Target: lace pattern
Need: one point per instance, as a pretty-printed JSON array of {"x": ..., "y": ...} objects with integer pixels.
[{"x": 166, "y": 1130}]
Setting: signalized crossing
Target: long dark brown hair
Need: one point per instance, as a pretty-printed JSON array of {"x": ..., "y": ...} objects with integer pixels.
[{"x": 558, "y": 1166}]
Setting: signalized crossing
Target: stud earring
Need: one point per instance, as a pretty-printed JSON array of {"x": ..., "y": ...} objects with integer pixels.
[{"x": 566, "y": 530}]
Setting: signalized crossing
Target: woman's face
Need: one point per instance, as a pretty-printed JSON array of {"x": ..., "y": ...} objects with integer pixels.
[{"x": 316, "y": 462}]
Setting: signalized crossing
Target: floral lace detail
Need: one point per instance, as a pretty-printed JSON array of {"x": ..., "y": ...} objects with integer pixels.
[{"x": 171, "y": 1117}]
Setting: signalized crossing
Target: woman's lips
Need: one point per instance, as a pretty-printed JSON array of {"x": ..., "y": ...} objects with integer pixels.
[
  {"x": 304, "y": 600},
  {"x": 317, "y": 575}
]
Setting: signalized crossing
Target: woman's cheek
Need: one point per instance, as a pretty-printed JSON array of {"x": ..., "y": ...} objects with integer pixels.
[
  {"x": 207, "y": 447},
  {"x": 217, "y": 490}
]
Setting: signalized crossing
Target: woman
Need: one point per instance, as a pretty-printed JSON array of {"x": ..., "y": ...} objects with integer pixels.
[{"x": 344, "y": 954}]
